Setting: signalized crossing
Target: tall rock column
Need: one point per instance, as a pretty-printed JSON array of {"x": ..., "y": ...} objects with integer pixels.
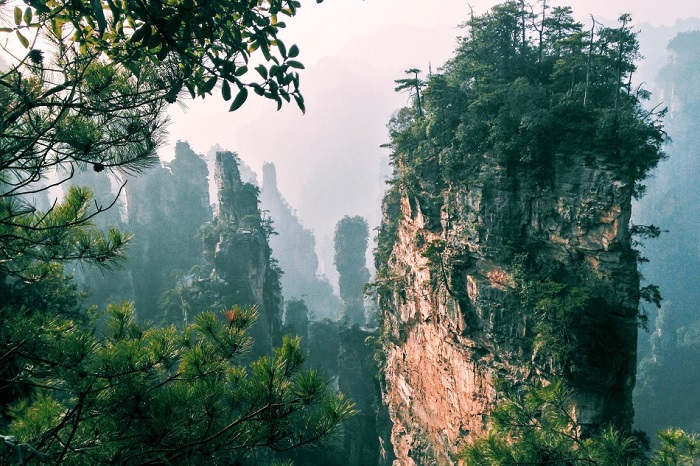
[
  {"x": 456, "y": 319},
  {"x": 166, "y": 207},
  {"x": 351, "y": 234},
  {"x": 505, "y": 256},
  {"x": 294, "y": 247},
  {"x": 242, "y": 255}
]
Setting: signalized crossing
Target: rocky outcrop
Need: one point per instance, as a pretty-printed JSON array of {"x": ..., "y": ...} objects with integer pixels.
[
  {"x": 350, "y": 241},
  {"x": 242, "y": 255},
  {"x": 294, "y": 247},
  {"x": 455, "y": 315},
  {"x": 166, "y": 207},
  {"x": 366, "y": 436}
]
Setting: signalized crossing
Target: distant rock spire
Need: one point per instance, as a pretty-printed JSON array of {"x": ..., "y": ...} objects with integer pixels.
[
  {"x": 270, "y": 178},
  {"x": 242, "y": 255},
  {"x": 294, "y": 247},
  {"x": 237, "y": 200}
]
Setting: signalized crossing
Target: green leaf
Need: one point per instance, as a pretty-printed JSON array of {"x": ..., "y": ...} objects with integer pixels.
[
  {"x": 171, "y": 96},
  {"x": 153, "y": 42},
  {"x": 300, "y": 103},
  {"x": 241, "y": 70},
  {"x": 172, "y": 25},
  {"x": 293, "y": 51},
  {"x": 262, "y": 71},
  {"x": 258, "y": 88},
  {"x": 226, "y": 90},
  {"x": 99, "y": 15},
  {"x": 163, "y": 52},
  {"x": 239, "y": 100},
  {"x": 295, "y": 64},
  {"x": 23, "y": 40},
  {"x": 265, "y": 49},
  {"x": 282, "y": 47},
  {"x": 18, "y": 16},
  {"x": 208, "y": 85},
  {"x": 140, "y": 33},
  {"x": 56, "y": 27},
  {"x": 190, "y": 88},
  {"x": 28, "y": 16}
]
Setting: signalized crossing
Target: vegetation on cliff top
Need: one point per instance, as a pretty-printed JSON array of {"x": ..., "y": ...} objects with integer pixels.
[
  {"x": 528, "y": 88},
  {"x": 523, "y": 87}
]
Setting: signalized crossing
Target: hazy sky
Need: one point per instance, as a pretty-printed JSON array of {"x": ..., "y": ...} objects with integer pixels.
[
  {"x": 375, "y": 40},
  {"x": 329, "y": 161}
]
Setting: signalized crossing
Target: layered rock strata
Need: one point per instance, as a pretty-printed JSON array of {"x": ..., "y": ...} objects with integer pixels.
[{"x": 454, "y": 319}]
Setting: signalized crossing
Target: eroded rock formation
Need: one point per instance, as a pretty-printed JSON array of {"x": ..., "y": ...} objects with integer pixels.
[
  {"x": 242, "y": 255},
  {"x": 294, "y": 247},
  {"x": 166, "y": 207},
  {"x": 455, "y": 315},
  {"x": 351, "y": 236}
]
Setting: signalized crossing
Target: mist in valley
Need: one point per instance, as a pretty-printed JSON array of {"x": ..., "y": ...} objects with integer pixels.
[
  {"x": 337, "y": 169},
  {"x": 279, "y": 214}
]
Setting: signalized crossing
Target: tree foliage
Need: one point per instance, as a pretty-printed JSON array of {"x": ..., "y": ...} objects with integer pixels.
[
  {"x": 88, "y": 89},
  {"x": 524, "y": 88},
  {"x": 538, "y": 427},
  {"x": 159, "y": 395}
]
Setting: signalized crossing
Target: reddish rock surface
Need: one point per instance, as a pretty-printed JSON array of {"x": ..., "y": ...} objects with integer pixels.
[{"x": 453, "y": 323}]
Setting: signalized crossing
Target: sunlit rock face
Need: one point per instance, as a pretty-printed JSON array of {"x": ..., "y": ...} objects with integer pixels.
[{"x": 454, "y": 319}]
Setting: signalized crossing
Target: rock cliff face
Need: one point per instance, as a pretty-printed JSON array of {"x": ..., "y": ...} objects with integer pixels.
[
  {"x": 242, "y": 255},
  {"x": 166, "y": 207},
  {"x": 454, "y": 313}
]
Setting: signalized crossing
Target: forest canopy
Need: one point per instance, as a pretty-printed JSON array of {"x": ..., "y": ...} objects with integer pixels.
[
  {"x": 523, "y": 86},
  {"x": 84, "y": 87}
]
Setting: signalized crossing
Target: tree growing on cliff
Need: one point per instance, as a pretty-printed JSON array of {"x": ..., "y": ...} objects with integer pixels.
[
  {"x": 524, "y": 87},
  {"x": 414, "y": 86},
  {"x": 539, "y": 427},
  {"x": 351, "y": 236}
]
